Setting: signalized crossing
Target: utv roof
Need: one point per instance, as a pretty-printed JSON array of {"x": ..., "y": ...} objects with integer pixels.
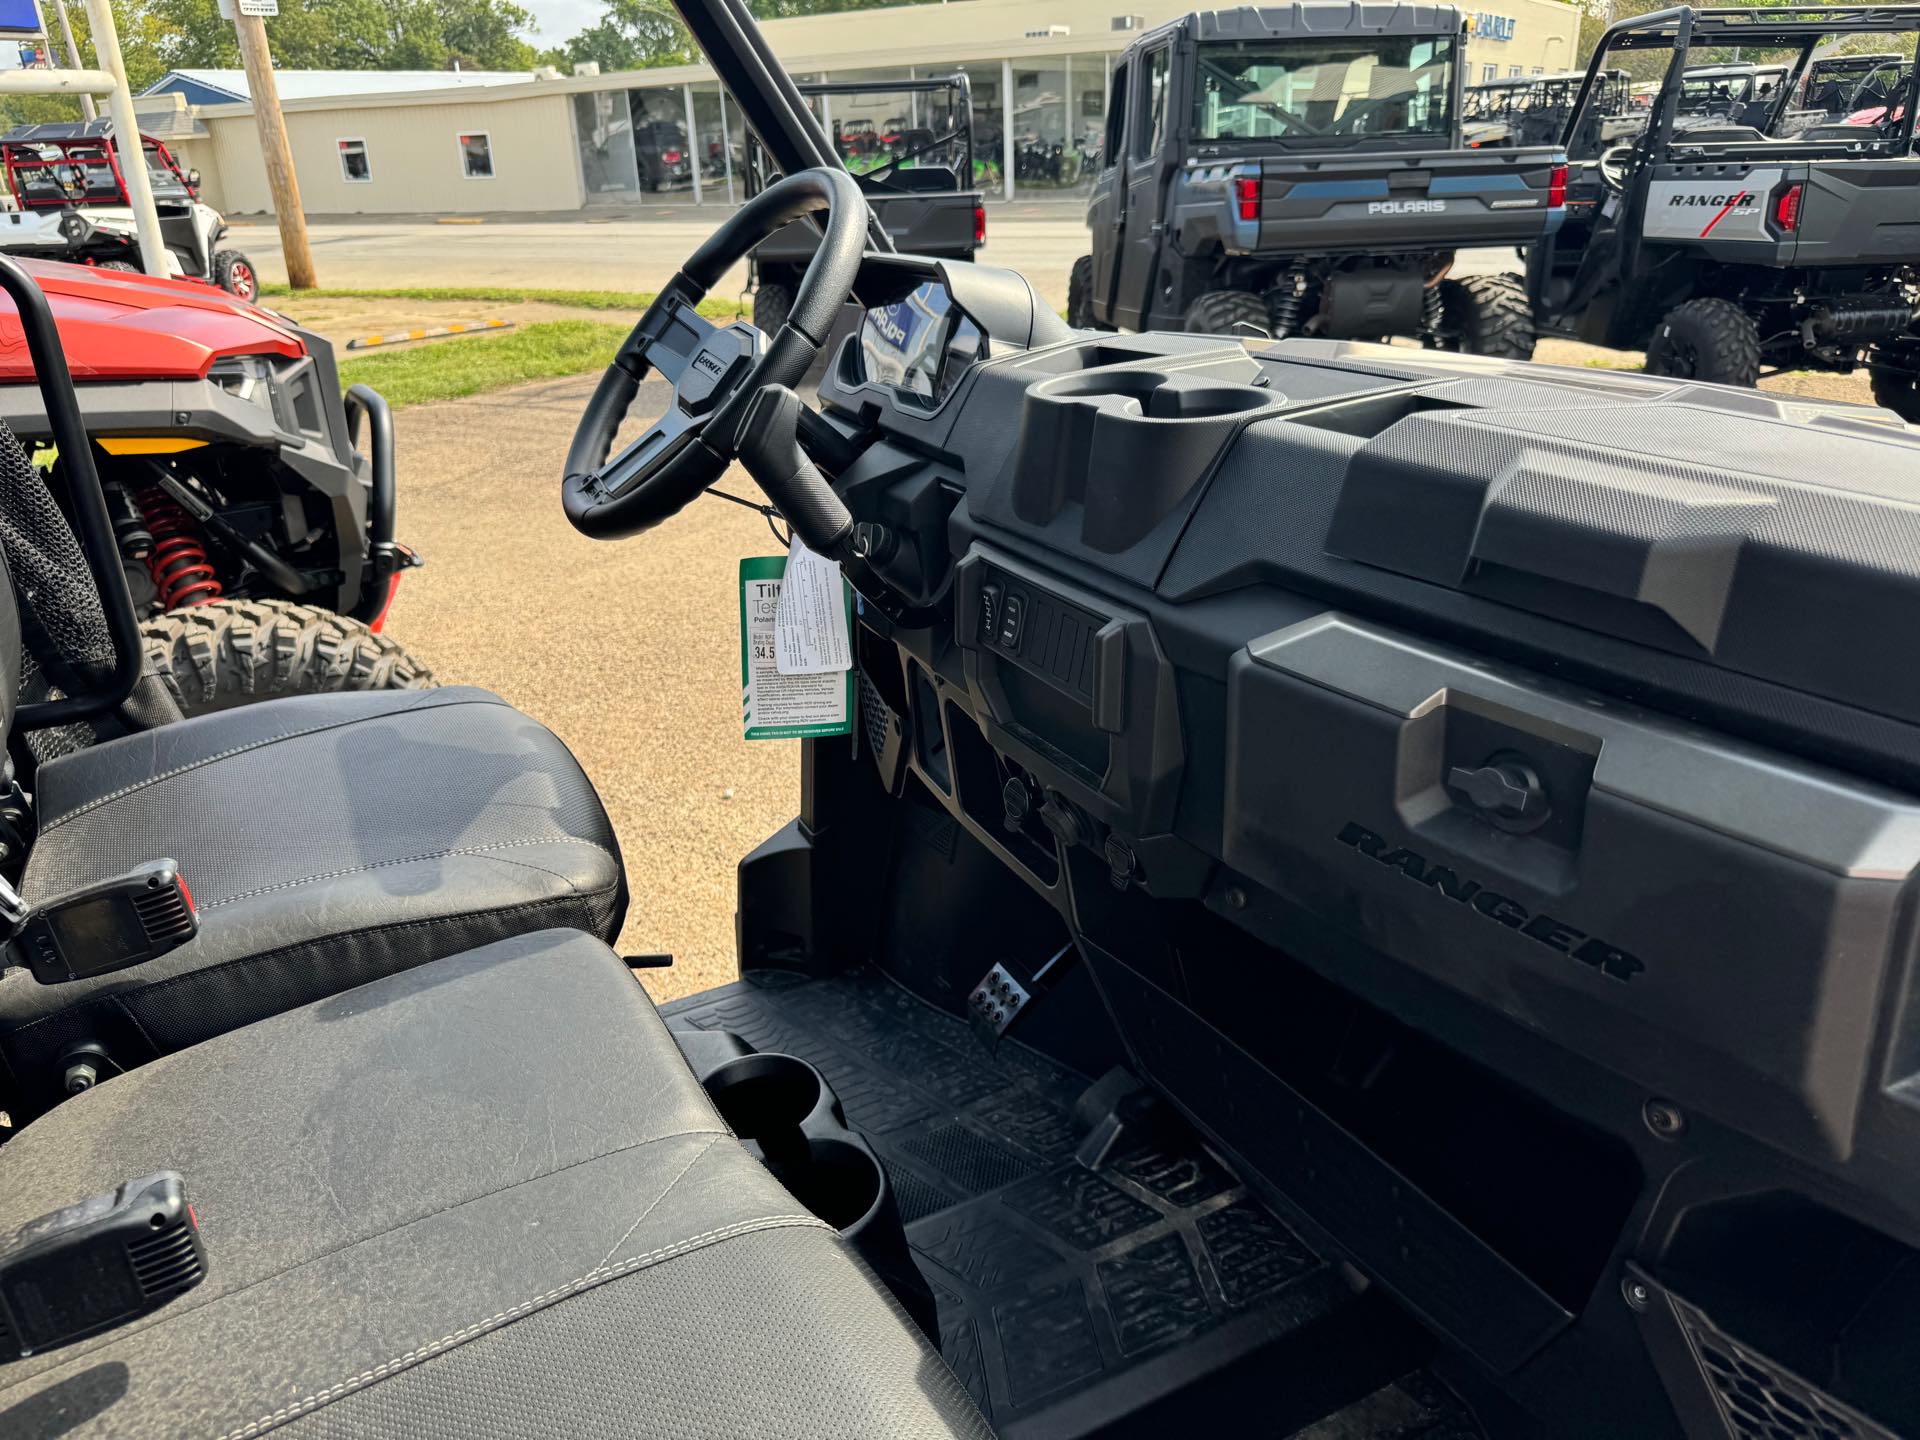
[
  {"x": 1715, "y": 72},
  {"x": 1784, "y": 23},
  {"x": 1323, "y": 17},
  {"x": 956, "y": 81},
  {"x": 63, "y": 132}
]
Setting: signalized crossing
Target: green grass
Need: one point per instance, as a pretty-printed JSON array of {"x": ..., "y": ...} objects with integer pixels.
[
  {"x": 713, "y": 307},
  {"x": 449, "y": 369}
]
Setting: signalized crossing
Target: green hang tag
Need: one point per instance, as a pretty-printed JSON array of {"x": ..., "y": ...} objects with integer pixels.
[{"x": 775, "y": 706}]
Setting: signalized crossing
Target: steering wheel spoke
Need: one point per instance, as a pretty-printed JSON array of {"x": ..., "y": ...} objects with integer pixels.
[
  {"x": 714, "y": 370},
  {"x": 667, "y": 338}
]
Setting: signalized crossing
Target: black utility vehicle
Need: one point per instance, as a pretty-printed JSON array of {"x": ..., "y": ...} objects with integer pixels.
[
  {"x": 1534, "y": 112},
  {"x": 1369, "y": 890},
  {"x": 915, "y": 165},
  {"x": 1301, "y": 171},
  {"x": 1488, "y": 112},
  {"x": 1729, "y": 242}
]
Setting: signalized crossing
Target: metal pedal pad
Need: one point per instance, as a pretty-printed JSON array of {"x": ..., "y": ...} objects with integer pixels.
[{"x": 995, "y": 1001}]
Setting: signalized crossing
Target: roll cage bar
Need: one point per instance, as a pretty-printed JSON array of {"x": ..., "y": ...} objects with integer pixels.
[
  {"x": 84, "y": 151},
  {"x": 923, "y": 85},
  {"x": 1683, "y": 28}
]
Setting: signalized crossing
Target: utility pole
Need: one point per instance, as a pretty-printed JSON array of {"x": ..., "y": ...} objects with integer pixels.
[
  {"x": 281, "y": 181},
  {"x": 87, "y": 107}
]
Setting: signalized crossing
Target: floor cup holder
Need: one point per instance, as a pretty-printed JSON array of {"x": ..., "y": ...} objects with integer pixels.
[
  {"x": 843, "y": 1183},
  {"x": 1127, "y": 446},
  {"x": 784, "y": 1111},
  {"x": 767, "y": 1100}
]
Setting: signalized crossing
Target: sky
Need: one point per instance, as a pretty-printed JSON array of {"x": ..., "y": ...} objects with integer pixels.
[{"x": 560, "y": 19}]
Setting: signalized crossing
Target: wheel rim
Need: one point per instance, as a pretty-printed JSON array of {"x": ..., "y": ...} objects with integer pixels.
[
  {"x": 244, "y": 284},
  {"x": 1677, "y": 358}
]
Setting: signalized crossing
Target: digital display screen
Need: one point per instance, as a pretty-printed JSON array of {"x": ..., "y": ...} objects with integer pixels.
[{"x": 921, "y": 345}]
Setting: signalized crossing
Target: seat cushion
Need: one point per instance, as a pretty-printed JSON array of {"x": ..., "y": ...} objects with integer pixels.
[
  {"x": 481, "y": 1197},
  {"x": 327, "y": 840}
]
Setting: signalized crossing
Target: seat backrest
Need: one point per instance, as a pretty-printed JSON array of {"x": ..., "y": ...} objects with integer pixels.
[
  {"x": 53, "y": 630},
  {"x": 10, "y": 652}
]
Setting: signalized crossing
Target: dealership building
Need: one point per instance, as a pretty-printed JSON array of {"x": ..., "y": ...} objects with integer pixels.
[{"x": 368, "y": 142}]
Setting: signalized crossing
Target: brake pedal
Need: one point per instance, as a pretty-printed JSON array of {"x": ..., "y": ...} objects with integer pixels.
[{"x": 1000, "y": 997}]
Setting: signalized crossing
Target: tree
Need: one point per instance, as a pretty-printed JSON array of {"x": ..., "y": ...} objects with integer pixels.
[
  {"x": 638, "y": 34},
  {"x": 632, "y": 35}
]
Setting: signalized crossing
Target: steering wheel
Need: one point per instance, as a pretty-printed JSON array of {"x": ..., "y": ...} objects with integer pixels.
[
  {"x": 1617, "y": 165},
  {"x": 715, "y": 370}
]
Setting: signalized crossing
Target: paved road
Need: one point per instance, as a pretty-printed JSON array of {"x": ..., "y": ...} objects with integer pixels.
[{"x": 637, "y": 253}]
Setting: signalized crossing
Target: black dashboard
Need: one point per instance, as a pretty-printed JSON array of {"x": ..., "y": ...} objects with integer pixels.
[{"x": 1347, "y": 664}]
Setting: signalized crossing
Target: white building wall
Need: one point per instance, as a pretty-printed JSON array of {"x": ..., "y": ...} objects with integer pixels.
[{"x": 413, "y": 154}]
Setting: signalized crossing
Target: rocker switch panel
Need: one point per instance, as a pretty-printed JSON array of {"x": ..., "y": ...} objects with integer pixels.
[{"x": 1013, "y": 613}]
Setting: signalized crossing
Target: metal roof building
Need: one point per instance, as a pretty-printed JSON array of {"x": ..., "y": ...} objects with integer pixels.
[
  {"x": 227, "y": 87},
  {"x": 480, "y": 142}
]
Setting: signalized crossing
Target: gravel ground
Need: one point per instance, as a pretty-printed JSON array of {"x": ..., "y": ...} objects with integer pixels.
[
  {"x": 630, "y": 651},
  {"x": 344, "y": 320}
]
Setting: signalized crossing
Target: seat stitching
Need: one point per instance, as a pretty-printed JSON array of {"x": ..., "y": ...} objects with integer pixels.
[
  {"x": 654, "y": 1204},
  {"x": 174, "y": 1312},
  {"x": 147, "y": 780},
  {"x": 598, "y": 1276},
  {"x": 225, "y": 965},
  {"x": 408, "y": 860}
]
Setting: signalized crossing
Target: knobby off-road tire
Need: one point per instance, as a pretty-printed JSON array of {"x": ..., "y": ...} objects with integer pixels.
[
  {"x": 1897, "y": 390},
  {"x": 1239, "y": 313},
  {"x": 234, "y": 652},
  {"x": 771, "y": 306},
  {"x": 1080, "y": 294},
  {"x": 1713, "y": 340},
  {"x": 1485, "y": 315},
  {"x": 233, "y": 272}
]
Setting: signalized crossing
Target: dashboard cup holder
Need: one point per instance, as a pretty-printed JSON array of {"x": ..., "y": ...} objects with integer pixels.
[{"x": 1126, "y": 446}]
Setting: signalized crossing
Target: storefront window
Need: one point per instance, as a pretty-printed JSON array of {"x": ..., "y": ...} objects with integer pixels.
[
  {"x": 1040, "y": 128},
  {"x": 710, "y": 147},
  {"x": 603, "y": 130},
  {"x": 1086, "y": 122},
  {"x": 660, "y": 145},
  {"x": 983, "y": 79}
]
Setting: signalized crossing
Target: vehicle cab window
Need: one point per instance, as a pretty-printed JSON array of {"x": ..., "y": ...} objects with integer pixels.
[
  {"x": 1116, "y": 117},
  {"x": 1148, "y": 136}
]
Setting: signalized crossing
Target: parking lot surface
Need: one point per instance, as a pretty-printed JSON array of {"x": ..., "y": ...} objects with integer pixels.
[
  {"x": 628, "y": 650},
  {"x": 638, "y": 251}
]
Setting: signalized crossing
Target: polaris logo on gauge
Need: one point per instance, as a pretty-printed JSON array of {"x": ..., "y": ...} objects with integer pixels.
[{"x": 1406, "y": 207}]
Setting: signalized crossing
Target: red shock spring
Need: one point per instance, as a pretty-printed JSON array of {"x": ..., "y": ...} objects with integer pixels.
[{"x": 182, "y": 570}]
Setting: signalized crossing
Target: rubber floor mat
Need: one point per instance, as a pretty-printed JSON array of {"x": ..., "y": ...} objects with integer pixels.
[{"x": 1070, "y": 1298}]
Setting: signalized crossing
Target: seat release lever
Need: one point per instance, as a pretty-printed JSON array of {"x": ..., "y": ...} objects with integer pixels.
[
  {"x": 100, "y": 1263},
  {"x": 107, "y": 926}
]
